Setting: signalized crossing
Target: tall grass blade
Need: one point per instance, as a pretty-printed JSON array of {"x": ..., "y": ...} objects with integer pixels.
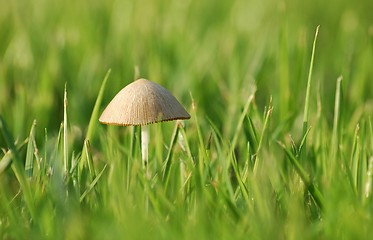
[
  {"x": 265, "y": 126},
  {"x": 93, "y": 120},
  {"x": 240, "y": 122},
  {"x": 335, "y": 142},
  {"x": 184, "y": 144},
  {"x": 202, "y": 148},
  {"x": 354, "y": 159},
  {"x": 167, "y": 162},
  {"x": 91, "y": 166},
  {"x": 29, "y": 165},
  {"x": 225, "y": 164},
  {"x": 65, "y": 135},
  {"x": 369, "y": 176},
  {"x": 308, "y": 90}
]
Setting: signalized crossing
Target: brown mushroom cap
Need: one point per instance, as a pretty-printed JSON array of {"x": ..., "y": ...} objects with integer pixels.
[{"x": 142, "y": 102}]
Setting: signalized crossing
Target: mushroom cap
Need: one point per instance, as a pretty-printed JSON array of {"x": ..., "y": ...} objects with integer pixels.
[{"x": 142, "y": 102}]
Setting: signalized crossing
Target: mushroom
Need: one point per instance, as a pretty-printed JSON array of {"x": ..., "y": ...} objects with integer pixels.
[{"x": 141, "y": 103}]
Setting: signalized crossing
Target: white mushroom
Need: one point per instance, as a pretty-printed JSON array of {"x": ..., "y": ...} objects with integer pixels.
[{"x": 140, "y": 103}]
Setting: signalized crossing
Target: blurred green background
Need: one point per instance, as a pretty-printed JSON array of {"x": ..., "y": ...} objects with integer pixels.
[
  {"x": 212, "y": 49},
  {"x": 196, "y": 46}
]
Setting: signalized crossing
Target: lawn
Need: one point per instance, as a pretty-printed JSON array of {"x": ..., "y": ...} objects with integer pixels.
[{"x": 279, "y": 144}]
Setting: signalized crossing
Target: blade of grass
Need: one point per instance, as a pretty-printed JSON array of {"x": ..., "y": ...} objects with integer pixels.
[
  {"x": 55, "y": 158},
  {"x": 302, "y": 143},
  {"x": 91, "y": 166},
  {"x": 184, "y": 144},
  {"x": 265, "y": 126},
  {"x": 335, "y": 143},
  {"x": 368, "y": 182},
  {"x": 29, "y": 165},
  {"x": 354, "y": 159},
  {"x": 370, "y": 133},
  {"x": 349, "y": 173},
  {"x": 93, "y": 184},
  {"x": 93, "y": 119},
  {"x": 240, "y": 121},
  {"x": 5, "y": 161},
  {"x": 369, "y": 173},
  {"x": 363, "y": 161},
  {"x": 226, "y": 173},
  {"x": 251, "y": 133},
  {"x": 167, "y": 162},
  {"x": 245, "y": 170},
  {"x": 307, "y": 99},
  {"x": 44, "y": 162},
  {"x": 18, "y": 169},
  {"x": 202, "y": 147},
  {"x": 239, "y": 126},
  {"x": 315, "y": 192},
  {"x": 73, "y": 174},
  {"x": 10, "y": 213},
  {"x": 65, "y": 135},
  {"x": 7, "y": 158},
  {"x": 240, "y": 180}
]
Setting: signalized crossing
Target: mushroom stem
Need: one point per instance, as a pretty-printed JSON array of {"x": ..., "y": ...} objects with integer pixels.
[
  {"x": 144, "y": 146},
  {"x": 144, "y": 155}
]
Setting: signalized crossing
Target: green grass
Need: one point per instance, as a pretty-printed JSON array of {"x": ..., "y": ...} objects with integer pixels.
[{"x": 278, "y": 145}]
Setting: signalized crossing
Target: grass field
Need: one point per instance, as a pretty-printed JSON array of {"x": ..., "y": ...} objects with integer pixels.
[{"x": 279, "y": 144}]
